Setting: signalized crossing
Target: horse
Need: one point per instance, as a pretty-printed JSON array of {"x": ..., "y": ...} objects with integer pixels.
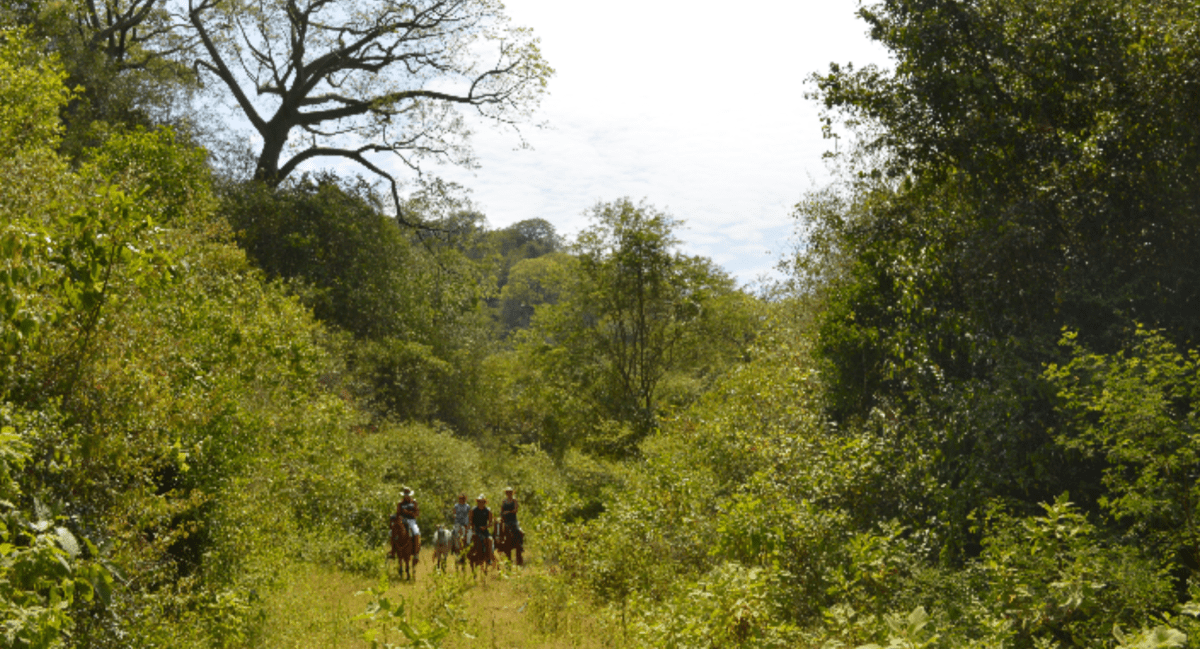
[
  {"x": 441, "y": 547},
  {"x": 480, "y": 554},
  {"x": 458, "y": 546},
  {"x": 406, "y": 548},
  {"x": 507, "y": 541}
]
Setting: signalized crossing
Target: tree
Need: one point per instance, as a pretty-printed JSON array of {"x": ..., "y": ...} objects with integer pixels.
[
  {"x": 1053, "y": 147},
  {"x": 531, "y": 283},
  {"x": 1025, "y": 167},
  {"x": 328, "y": 236},
  {"x": 1137, "y": 409},
  {"x": 126, "y": 57},
  {"x": 639, "y": 301},
  {"x": 528, "y": 239},
  {"x": 636, "y": 313},
  {"x": 318, "y": 78}
]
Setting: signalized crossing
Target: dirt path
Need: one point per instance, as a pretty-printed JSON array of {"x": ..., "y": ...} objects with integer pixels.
[{"x": 507, "y": 607}]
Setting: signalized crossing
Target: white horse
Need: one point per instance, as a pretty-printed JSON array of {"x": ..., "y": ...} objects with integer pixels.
[{"x": 441, "y": 547}]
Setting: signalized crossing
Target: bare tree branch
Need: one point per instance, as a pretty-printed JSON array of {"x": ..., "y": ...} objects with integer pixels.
[{"x": 368, "y": 77}]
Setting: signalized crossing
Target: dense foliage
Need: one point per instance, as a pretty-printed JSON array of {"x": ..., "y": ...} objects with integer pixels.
[
  {"x": 915, "y": 455},
  {"x": 1033, "y": 167},
  {"x": 967, "y": 419}
]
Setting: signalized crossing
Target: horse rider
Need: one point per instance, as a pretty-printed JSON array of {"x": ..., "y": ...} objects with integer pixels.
[
  {"x": 462, "y": 518},
  {"x": 409, "y": 511},
  {"x": 481, "y": 522},
  {"x": 508, "y": 515}
]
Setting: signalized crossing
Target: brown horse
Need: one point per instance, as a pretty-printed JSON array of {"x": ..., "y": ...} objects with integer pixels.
[
  {"x": 507, "y": 541},
  {"x": 479, "y": 554},
  {"x": 406, "y": 548},
  {"x": 458, "y": 547}
]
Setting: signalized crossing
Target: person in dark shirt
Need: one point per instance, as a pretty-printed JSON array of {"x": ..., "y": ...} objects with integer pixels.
[
  {"x": 481, "y": 522},
  {"x": 409, "y": 510},
  {"x": 508, "y": 514}
]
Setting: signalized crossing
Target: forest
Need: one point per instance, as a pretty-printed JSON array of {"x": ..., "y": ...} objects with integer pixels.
[{"x": 967, "y": 416}]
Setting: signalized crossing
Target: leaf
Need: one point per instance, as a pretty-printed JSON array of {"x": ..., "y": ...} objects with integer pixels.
[{"x": 67, "y": 541}]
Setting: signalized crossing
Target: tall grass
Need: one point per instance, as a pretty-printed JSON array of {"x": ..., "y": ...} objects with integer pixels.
[{"x": 321, "y": 606}]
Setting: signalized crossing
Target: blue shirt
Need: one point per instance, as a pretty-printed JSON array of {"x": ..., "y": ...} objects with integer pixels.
[{"x": 462, "y": 514}]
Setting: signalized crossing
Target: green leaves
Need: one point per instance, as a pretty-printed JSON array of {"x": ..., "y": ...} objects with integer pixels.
[
  {"x": 31, "y": 94},
  {"x": 908, "y": 632},
  {"x": 1054, "y": 574},
  {"x": 635, "y": 321},
  {"x": 43, "y": 570},
  {"x": 1024, "y": 167},
  {"x": 1138, "y": 410},
  {"x": 385, "y": 619},
  {"x": 1160, "y": 637}
]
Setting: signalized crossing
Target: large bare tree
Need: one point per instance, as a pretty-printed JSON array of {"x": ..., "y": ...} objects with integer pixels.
[{"x": 357, "y": 78}]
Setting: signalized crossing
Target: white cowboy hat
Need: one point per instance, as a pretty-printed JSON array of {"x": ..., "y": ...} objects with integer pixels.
[
  {"x": 507, "y": 489},
  {"x": 406, "y": 491},
  {"x": 481, "y": 497}
]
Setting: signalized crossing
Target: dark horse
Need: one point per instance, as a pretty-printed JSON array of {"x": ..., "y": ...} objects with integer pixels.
[
  {"x": 405, "y": 548},
  {"x": 507, "y": 540},
  {"x": 458, "y": 546},
  {"x": 479, "y": 554}
]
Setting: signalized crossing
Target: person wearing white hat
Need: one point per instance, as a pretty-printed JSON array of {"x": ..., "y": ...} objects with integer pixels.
[
  {"x": 481, "y": 522},
  {"x": 410, "y": 510},
  {"x": 508, "y": 515}
]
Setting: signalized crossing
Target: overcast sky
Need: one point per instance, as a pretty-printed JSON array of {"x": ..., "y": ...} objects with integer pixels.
[{"x": 696, "y": 107}]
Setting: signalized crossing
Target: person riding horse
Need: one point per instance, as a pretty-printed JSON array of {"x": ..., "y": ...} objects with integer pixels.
[
  {"x": 462, "y": 519},
  {"x": 404, "y": 545},
  {"x": 508, "y": 515},
  {"x": 510, "y": 537},
  {"x": 409, "y": 510},
  {"x": 481, "y": 523}
]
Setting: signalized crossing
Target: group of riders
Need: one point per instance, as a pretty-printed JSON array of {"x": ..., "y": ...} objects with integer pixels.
[{"x": 469, "y": 522}]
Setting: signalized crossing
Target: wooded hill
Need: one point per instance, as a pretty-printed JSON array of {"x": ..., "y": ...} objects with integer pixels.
[{"x": 967, "y": 419}]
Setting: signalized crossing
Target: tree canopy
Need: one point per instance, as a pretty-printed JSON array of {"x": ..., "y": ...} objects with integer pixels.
[
  {"x": 634, "y": 312},
  {"x": 1023, "y": 168},
  {"x": 329, "y": 79}
]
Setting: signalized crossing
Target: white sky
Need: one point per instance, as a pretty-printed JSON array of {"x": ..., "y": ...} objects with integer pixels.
[{"x": 696, "y": 107}]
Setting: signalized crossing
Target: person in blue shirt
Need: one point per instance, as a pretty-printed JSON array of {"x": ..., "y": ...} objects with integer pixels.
[{"x": 462, "y": 519}]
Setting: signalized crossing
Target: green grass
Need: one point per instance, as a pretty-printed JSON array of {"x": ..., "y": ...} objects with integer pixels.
[{"x": 512, "y": 607}]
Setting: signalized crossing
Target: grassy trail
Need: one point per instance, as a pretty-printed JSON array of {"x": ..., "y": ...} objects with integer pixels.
[{"x": 317, "y": 607}]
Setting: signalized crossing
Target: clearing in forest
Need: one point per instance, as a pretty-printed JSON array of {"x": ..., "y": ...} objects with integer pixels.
[{"x": 319, "y": 606}]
